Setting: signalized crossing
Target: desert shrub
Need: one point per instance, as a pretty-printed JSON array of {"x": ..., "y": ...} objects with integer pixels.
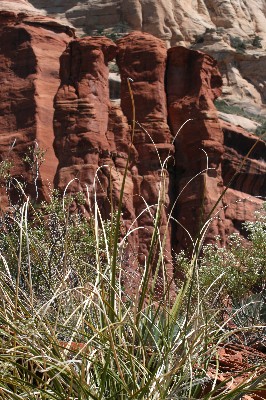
[
  {"x": 256, "y": 42},
  {"x": 113, "y": 67},
  {"x": 232, "y": 279},
  {"x": 68, "y": 326},
  {"x": 114, "y": 33},
  {"x": 242, "y": 263},
  {"x": 261, "y": 130},
  {"x": 238, "y": 43}
]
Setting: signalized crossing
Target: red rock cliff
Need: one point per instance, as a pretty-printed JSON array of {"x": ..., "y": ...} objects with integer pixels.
[
  {"x": 92, "y": 135},
  {"x": 193, "y": 82},
  {"x": 142, "y": 58},
  {"x": 81, "y": 114},
  {"x": 30, "y": 47}
]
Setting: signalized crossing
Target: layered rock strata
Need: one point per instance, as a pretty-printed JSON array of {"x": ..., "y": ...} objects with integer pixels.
[
  {"x": 93, "y": 138},
  {"x": 81, "y": 113},
  {"x": 30, "y": 47},
  {"x": 171, "y": 20}
]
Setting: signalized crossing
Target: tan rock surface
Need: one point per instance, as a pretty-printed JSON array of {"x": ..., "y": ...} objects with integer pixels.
[
  {"x": 237, "y": 120},
  {"x": 243, "y": 71},
  {"x": 20, "y": 6},
  {"x": 171, "y": 20}
]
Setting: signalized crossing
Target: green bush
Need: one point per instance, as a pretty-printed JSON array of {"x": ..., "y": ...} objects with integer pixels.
[
  {"x": 114, "y": 33},
  {"x": 261, "y": 130},
  {"x": 256, "y": 42},
  {"x": 238, "y": 43},
  {"x": 233, "y": 278}
]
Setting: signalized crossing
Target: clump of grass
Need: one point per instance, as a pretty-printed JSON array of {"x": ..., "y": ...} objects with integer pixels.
[{"x": 69, "y": 330}]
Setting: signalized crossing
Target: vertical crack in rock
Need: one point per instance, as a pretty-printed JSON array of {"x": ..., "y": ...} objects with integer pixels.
[
  {"x": 193, "y": 82},
  {"x": 142, "y": 57}
]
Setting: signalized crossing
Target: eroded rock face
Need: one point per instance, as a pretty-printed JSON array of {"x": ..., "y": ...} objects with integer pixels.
[
  {"x": 207, "y": 142},
  {"x": 20, "y": 6},
  {"x": 193, "y": 82},
  {"x": 92, "y": 136},
  {"x": 241, "y": 69},
  {"x": 171, "y": 20},
  {"x": 231, "y": 31},
  {"x": 30, "y": 47},
  {"x": 234, "y": 361},
  {"x": 244, "y": 170},
  {"x": 142, "y": 58},
  {"x": 81, "y": 115}
]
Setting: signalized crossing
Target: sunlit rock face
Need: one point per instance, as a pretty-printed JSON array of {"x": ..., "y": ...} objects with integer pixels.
[
  {"x": 30, "y": 47},
  {"x": 193, "y": 82},
  {"x": 56, "y": 98},
  {"x": 232, "y": 31},
  {"x": 171, "y": 20}
]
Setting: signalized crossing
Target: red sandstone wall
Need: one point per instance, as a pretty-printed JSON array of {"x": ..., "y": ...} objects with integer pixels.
[
  {"x": 142, "y": 58},
  {"x": 72, "y": 118},
  {"x": 30, "y": 48},
  {"x": 193, "y": 82}
]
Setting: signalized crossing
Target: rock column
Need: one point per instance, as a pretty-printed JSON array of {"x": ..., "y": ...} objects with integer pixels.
[
  {"x": 193, "y": 82},
  {"x": 142, "y": 58}
]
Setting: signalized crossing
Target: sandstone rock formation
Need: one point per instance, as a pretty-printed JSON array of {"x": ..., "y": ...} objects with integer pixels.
[
  {"x": 87, "y": 138},
  {"x": 248, "y": 189},
  {"x": 231, "y": 31},
  {"x": 20, "y": 6},
  {"x": 242, "y": 70},
  {"x": 142, "y": 58},
  {"x": 236, "y": 120},
  {"x": 234, "y": 361},
  {"x": 199, "y": 143},
  {"x": 81, "y": 110},
  {"x": 30, "y": 47},
  {"x": 92, "y": 133},
  {"x": 92, "y": 136},
  {"x": 171, "y": 20}
]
